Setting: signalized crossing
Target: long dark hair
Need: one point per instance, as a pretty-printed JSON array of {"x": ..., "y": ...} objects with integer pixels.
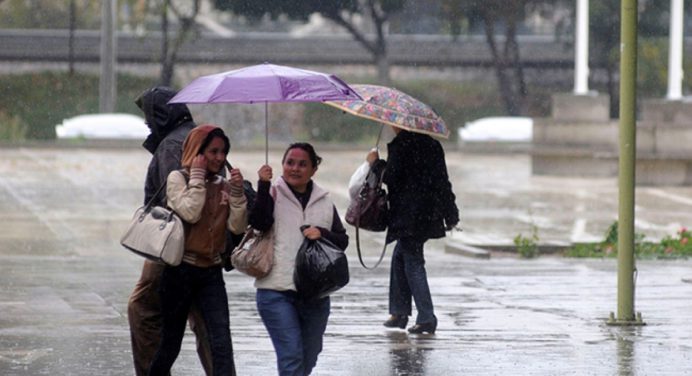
[
  {"x": 217, "y": 132},
  {"x": 306, "y": 147}
]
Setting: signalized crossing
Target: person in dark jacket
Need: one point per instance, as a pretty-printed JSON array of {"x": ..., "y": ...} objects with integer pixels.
[
  {"x": 421, "y": 206},
  {"x": 169, "y": 125}
]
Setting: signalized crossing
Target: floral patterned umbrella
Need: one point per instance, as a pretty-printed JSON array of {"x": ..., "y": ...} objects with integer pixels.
[{"x": 393, "y": 107}]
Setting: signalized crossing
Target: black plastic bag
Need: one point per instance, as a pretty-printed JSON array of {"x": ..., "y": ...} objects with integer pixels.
[{"x": 321, "y": 268}]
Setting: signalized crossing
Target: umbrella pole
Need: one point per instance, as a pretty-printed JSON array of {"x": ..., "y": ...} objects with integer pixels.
[
  {"x": 379, "y": 135},
  {"x": 266, "y": 133}
]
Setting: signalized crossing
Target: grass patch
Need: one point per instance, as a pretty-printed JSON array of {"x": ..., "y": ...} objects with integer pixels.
[
  {"x": 527, "y": 246},
  {"x": 670, "y": 247},
  {"x": 32, "y": 104}
]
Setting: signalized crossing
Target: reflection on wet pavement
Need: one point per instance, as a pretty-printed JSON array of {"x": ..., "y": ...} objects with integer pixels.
[{"x": 65, "y": 281}]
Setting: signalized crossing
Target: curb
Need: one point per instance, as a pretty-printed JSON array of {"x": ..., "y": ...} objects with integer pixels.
[
  {"x": 466, "y": 250},
  {"x": 459, "y": 248}
]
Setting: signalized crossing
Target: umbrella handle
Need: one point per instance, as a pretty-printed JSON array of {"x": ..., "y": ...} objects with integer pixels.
[{"x": 229, "y": 168}]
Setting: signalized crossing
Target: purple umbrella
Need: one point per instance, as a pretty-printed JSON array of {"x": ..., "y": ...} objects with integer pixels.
[{"x": 265, "y": 83}]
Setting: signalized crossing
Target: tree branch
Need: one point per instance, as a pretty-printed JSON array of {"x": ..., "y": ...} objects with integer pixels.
[
  {"x": 379, "y": 20},
  {"x": 357, "y": 35}
]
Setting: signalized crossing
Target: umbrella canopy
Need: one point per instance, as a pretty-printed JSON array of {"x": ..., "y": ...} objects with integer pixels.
[
  {"x": 393, "y": 107},
  {"x": 265, "y": 83}
]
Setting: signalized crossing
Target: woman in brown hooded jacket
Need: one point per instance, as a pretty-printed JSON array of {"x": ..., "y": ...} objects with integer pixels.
[{"x": 208, "y": 204}]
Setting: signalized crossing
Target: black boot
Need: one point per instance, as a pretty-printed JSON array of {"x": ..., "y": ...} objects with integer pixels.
[
  {"x": 428, "y": 327},
  {"x": 396, "y": 321}
]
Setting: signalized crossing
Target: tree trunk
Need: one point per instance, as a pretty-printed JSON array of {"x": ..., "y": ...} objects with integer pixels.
[
  {"x": 170, "y": 52},
  {"x": 166, "y": 68},
  {"x": 383, "y": 70},
  {"x": 73, "y": 21},
  {"x": 382, "y": 63},
  {"x": 512, "y": 47},
  {"x": 504, "y": 84},
  {"x": 612, "y": 92},
  {"x": 378, "y": 48},
  {"x": 381, "y": 58}
]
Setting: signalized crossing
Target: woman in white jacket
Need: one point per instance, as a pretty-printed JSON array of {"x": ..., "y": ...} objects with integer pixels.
[{"x": 295, "y": 326}]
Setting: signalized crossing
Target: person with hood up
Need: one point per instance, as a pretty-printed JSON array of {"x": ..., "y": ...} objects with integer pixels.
[
  {"x": 169, "y": 125},
  {"x": 208, "y": 204}
]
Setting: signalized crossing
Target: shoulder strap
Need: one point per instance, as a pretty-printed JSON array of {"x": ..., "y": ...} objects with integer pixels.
[
  {"x": 360, "y": 257},
  {"x": 153, "y": 198},
  {"x": 161, "y": 188}
]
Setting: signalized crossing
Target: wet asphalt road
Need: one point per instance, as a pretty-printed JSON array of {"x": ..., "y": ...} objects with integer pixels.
[{"x": 65, "y": 280}]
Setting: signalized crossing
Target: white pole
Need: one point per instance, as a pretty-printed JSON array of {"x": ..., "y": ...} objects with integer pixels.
[
  {"x": 675, "y": 71},
  {"x": 581, "y": 52}
]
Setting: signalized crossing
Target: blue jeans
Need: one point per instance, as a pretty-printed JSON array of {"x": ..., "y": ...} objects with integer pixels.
[
  {"x": 180, "y": 287},
  {"x": 295, "y": 328},
  {"x": 409, "y": 279}
]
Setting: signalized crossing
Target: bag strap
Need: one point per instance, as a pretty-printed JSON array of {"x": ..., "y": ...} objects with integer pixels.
[
  {"x": 357, "y": 225},
  {"x": 148, "y": 205},
  {"x": 360, "y": 257},
  {"x": 161, "y": 188}
]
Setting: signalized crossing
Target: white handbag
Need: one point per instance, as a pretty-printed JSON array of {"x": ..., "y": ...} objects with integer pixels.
[{"x": 156, "y": 233}]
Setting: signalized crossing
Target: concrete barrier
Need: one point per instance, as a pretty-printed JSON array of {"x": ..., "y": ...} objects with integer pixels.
[{"x": 580, "y": 140}]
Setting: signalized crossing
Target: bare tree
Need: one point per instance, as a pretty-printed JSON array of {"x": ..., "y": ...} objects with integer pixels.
[
  {"x": 338, "y": 11},
  {"x": 492, "y": 14},
  {"x": 72, "y": 26},
  {"x": 170, "y": 48},
  {"x": 508, "y": 67}
]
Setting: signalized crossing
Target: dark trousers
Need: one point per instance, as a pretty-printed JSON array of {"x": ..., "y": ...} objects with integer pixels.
[
  {"x": 295, "y": 327},
  {"x": 181, "y": 286},
  {"x": 408, "y": 278},
  {"x": 145, "y": 319}
]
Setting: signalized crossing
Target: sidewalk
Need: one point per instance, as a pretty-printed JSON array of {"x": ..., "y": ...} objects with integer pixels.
[{"x": 65, "y": 280}]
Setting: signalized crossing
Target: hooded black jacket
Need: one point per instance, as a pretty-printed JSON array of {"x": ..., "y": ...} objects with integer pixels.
[{"x": 169, "y": 125}]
